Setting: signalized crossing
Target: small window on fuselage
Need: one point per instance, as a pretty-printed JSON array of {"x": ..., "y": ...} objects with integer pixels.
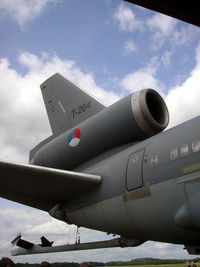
[
  {"x": 174, "y": 154},
  {"x": 184, "y": 150},
  {"x": 195, "y": 146},
  {"x": 154, "y": 160}
]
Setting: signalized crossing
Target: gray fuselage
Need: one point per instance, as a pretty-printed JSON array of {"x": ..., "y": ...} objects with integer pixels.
[{"x": 150, "y": 189}]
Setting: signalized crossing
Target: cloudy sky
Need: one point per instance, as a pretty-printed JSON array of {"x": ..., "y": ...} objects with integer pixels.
[{"x": 109, "y": 48}]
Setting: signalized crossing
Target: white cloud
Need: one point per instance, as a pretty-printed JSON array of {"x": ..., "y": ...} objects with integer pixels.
[
  {"x": 162, "y": 27},
  {"x": 50, "y": 227},
  {"x": 129, "y": 47},
  {"x": 24, "y": 10},
  {"x": 164, "y": 24},
  {"x": 166, "y": 29},
  {"x": 166, "y": 58},
  {"x": 185, "y": 35},
  {"x": 140, "y": 80},
  {"x": 143, "y": 78},
  {"x": 127, "y": 19},
  {"x": 183, "y": 100},
  {"x": 23, "y": 117}
]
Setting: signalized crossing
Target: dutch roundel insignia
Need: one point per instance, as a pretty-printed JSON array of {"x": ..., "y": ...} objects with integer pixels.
[{"x": 74, "y": 138}]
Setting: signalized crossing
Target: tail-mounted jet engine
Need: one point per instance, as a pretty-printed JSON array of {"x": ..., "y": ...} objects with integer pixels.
[{"x": 133, "y": 118}]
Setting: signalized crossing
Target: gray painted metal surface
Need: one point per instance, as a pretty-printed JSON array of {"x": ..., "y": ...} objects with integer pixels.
[
  {"x": 131, "y": 184},
  {"x": 55, "y": 185},
  {"x": 116, "y": 242},
  {"x": 134, "y": 176},
  {"x": 130, "y": 119},
  {"x": 66, "y": 104}
]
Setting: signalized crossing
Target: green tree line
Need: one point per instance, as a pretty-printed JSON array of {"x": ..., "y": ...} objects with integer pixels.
[
  {"x": 140, "y": 261},
  {"x": 145, "y": 261}
]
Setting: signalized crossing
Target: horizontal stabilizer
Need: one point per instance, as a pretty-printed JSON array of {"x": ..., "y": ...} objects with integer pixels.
[{"x": 41, "y": 187}]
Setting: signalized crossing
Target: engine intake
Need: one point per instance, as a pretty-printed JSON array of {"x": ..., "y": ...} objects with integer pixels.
[{"x": 150, "y": 111}]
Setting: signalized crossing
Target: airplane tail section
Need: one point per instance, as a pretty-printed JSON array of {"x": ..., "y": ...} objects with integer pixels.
[{"x": 66, "y": 104}]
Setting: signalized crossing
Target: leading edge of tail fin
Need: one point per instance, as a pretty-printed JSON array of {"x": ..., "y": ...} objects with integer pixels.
[{"x": 67, "y": 104}]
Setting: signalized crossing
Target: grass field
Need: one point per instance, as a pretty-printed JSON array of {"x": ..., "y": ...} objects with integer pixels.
[{"x": 159, "y": 265}]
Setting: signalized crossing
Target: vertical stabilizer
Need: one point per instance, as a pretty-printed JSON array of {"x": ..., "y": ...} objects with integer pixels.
[{"x": 67, "y": 104}]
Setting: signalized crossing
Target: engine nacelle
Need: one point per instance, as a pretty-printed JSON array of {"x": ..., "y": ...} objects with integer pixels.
[{"x": 133, "y": 118}]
